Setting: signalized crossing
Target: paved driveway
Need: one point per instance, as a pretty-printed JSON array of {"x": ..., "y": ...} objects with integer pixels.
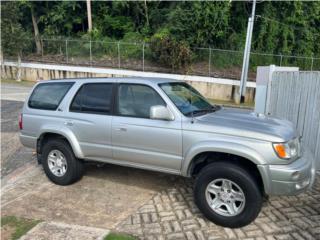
[
  {"x": 13, "y": 154},
  {"x": 105, "y": 196},
  {"x": 147, "y": 204}
]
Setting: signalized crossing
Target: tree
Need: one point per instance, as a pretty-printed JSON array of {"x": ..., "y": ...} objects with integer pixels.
[
  {"x": 13, "y": 35},
  {"x": 36, "y": 31},
  {"x": 201, "y": 23},
  {"x": 290, "y": 28}
]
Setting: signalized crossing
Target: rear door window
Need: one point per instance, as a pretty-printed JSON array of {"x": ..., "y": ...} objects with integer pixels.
[
  {"x": 93, "y": 98},
  {"x": 47, "y": 96}
]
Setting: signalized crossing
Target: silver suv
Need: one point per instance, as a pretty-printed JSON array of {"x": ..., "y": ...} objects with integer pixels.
[{"x": 236, "y": 157}]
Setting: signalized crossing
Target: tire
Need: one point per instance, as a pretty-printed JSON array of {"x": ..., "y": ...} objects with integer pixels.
[
  {"x": 73, "y": 168},
  {"x": 244, "y": 188}
]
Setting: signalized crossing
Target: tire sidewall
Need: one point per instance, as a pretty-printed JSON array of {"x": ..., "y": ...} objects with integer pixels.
[
  {"x": 253, "y": 196},
  {"x": 62, "y": 146}
]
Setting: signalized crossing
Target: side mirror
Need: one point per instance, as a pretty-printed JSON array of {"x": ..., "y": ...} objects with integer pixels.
[{"x": 161, "y": 113}]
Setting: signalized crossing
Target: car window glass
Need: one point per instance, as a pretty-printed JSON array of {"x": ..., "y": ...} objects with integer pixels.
[
  {"x": 48, "y": 96},
  {"x": 93, "y": 98},
  {"x": 136, "y": 100},
  {"x": 185, "y": 97}
]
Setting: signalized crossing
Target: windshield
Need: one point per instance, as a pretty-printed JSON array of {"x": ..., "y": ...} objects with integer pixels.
[{"x": 188, "y": 100}]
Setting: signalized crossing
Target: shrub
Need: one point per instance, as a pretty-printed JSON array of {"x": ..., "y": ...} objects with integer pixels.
[{"x": 169, "y": 52}]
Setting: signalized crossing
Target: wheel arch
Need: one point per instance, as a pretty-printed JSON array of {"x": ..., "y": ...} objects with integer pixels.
[
  {"x": 66, "y": 134},
  {"x": 243, "y": 156}
]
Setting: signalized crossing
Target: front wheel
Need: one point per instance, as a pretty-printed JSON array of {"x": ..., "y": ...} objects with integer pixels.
[{"x": 227, "y": 195}]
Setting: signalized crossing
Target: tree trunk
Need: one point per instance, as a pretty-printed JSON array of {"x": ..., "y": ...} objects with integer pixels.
[
  {"x": 18, "y": 77},
  {"x": 1, "y": 56},
  {"x": 146, "y": 12},
  {"x": 36, "y": 32},
  {"x": 89, "y": 15}
]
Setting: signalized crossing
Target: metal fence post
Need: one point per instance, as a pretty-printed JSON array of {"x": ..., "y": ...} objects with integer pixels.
[
  {"x": 119, "y": 63},
  {"x": 67, "y": 50},
  {"x": 209, "y": 61},
  {"x": 90, "y": 53},
  {"x": 41, "y": 40},
  {"x": 281, "y": 60},
  {"x": 143, "y": 56},
  {"x": 311, "y": 63}
]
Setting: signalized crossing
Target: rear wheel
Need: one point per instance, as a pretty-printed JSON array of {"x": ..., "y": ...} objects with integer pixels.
[
  {"x": 59, "y": 162},
  {"x": 227, "y": 195}
]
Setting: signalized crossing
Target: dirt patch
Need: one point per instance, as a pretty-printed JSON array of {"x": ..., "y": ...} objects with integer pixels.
[{"x": 7, "y": 232}]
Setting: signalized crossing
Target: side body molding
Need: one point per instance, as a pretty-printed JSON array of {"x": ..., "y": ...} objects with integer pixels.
[
  {"x": 67, "y": 133},
  {"x": 219, "y": 146}
]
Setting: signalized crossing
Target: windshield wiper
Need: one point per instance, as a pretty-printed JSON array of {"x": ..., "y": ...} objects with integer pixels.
[{"x": 205, "y": 110}]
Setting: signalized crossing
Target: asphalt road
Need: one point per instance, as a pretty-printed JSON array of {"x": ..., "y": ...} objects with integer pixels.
[
  {"x": 13, "y": 154},
  {"x": 15, "y": 91}
]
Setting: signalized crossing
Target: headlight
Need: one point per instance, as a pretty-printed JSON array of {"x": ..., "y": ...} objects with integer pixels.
[{"x": 287, "y": 150}]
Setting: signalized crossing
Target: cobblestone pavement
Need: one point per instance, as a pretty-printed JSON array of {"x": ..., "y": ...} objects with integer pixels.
[{"x": 172, "y": 214}]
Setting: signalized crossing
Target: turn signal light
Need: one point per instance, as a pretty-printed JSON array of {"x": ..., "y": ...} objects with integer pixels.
[{"x": 280, "y": 150}]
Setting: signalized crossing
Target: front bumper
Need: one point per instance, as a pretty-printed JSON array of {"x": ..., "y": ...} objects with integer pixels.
[{"x": 289, "y": 179}]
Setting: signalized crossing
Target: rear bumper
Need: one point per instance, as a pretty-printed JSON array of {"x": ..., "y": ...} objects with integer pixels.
[
  {"x": 289, "y": 179},
  {"x": 28, "y": 141}
]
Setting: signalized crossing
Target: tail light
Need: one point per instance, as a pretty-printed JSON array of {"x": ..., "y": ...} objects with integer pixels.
[{"x": 21, "y": 121}]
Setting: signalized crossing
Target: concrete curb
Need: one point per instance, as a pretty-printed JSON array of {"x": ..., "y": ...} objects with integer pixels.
[{"x": 55, "y": 230}]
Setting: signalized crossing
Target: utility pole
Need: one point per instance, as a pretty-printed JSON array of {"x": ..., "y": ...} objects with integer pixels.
[
  {"x": 246, "y": 55},
  {"x": 89, "y": 15}
]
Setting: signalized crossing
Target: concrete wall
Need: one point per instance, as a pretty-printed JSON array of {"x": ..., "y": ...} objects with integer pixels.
[{"x": 219, "y": 89}]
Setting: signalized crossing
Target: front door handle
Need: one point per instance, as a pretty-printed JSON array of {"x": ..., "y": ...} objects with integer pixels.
[{"x": 122, "y": 129}]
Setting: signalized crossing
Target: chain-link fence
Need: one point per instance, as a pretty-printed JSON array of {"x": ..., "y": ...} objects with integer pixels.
[{"x": 138, "y": 56}]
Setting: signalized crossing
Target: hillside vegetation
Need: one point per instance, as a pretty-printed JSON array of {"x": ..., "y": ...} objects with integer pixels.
[{"x": 172, "y": 30}]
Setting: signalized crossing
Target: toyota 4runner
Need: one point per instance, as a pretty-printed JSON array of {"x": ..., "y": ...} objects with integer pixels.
[{"x": 236, "y": 157}]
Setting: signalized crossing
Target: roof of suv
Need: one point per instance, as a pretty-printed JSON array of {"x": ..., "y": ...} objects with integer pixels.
[{"x": 120, "y": 79}]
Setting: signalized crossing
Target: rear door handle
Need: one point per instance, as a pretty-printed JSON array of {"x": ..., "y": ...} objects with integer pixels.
[{"x": 122, "y": 129}]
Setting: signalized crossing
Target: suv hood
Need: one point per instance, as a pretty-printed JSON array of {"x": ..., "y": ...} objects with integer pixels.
[{"x": 245, "y": 123}]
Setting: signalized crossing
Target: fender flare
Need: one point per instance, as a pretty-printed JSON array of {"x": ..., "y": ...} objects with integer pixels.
[
  {"x": 67, "y": 133},
  {"x": 222, "y": 147}
]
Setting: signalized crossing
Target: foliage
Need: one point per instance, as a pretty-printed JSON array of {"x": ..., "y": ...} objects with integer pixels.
[
  {"x": 281, "y": 27},
  {"x": 280, "y": 37},
  {"x": 119, "y": 236},
  {"x": 201, "y": 23},
  {"x": 21, "y": 226},
  {"x": 169, "y": 52},
  {"x": 12, "y": 32}
]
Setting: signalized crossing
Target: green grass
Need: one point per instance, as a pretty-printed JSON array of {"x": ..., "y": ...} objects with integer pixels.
[
  {"x": 119, "y": 236},
  {"x": 20, "y": 225},
  {"x": 22, "y": 82}
]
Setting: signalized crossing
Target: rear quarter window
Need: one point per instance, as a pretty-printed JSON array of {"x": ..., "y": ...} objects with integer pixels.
[{"x": 47, "y": 96}]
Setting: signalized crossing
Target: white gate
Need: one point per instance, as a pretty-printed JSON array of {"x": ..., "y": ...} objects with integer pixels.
[{"x": 296, "y": 96}]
